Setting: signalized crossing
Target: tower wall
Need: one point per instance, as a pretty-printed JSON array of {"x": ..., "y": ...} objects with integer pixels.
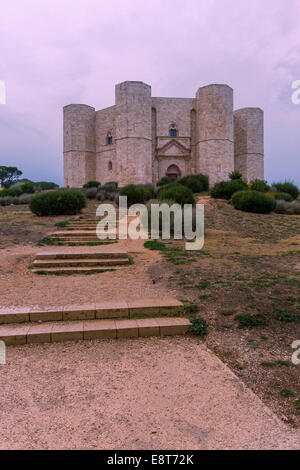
[
  {"x": 106, "y": 164},
  {"x": 214, "y": 128},
  {"x": 79, "y": 144},
  {"x": 133, "y": 133},
  {"x": 249, "y": 142}
]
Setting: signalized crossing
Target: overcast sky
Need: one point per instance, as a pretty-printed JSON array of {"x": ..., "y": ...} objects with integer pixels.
[{"x": 56, "y": 52}]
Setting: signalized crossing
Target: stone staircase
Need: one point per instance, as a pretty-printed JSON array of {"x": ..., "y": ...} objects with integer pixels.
[
  {"x": 116, "y": 319},
  {"x": 79, "y": 232},
  {"x": 79, "y": 262}
]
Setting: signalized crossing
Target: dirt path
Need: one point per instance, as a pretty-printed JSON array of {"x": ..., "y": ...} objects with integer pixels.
[{"x": 155, "y": 393}]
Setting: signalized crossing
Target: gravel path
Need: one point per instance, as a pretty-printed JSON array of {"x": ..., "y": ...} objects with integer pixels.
[{"x": 155, "y": 393}]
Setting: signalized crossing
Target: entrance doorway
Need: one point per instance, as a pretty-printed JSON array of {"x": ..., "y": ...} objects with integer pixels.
[{"x": 173, "y": 172}]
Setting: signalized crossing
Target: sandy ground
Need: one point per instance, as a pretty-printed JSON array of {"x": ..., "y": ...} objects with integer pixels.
[
  {"x": 155, "y": 393},
  {"x": 20, "y": 287}
]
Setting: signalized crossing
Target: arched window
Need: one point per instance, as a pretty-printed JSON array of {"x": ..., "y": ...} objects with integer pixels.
[
  {"x": 173, "y": 131},
  {"x": 109, "y": 138},
  {"x": 109, "y": 166}
]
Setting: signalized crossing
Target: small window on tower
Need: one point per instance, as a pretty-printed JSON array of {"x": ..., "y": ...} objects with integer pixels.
[
  {"x": 110, "y": 166},
  {"x": 109, "y": 138},
  {"x": 173, "y": 130}
]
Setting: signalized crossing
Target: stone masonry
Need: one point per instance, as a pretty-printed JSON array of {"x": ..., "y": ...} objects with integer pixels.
[{"x": 141, "y": 138}]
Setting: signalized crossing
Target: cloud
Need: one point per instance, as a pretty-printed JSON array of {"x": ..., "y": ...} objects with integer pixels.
[{"x": 58, "y": 52}]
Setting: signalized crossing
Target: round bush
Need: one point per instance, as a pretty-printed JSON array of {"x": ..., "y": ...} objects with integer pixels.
[
  {"x": 60, "y": 202},
  {"x": 176, "y": 192},
  {"x": 253, "y": 201},
  {"x": 14, "y": 192},
  {"x": 164, "y": 180},
  {"x": 204, "y": 181},
  {"x": 91, "y": 193},
  {"x": 91, "y": 184},
  {"x": 283, "y": 197},
  {"x": 287, "y": 187},
  {"x": 259, "y": 185},
  {"x": 196, "y": 183},
  {"x": 135, "y": 194},
  {"x": 27, "y": 188},
  {"x": 225, "y": 189},
  {"x": 235, "y": 175},
  {"x": 46, "y": 185}
]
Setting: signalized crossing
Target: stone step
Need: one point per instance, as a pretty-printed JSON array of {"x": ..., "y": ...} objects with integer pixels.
[
  {"x": 102, "y": 310},
  {"x": 76, "y": 242},
  {"x": 76, "y": 270},
  {"x": 82, "y": 255},
  {"x": 83, "y": 239},
  {"x": 92, "y": 329},
  {"x": 84, "y": 263},
  {"x": 75, "y": 233}
]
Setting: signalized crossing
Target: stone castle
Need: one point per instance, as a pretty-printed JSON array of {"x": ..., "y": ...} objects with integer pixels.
[{"x": 141, "y": 138}]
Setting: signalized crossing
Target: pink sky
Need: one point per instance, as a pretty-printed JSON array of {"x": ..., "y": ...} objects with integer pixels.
[{"x": 53, "y": 53}]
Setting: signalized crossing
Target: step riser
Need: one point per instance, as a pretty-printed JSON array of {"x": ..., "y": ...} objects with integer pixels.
[
  {"x": 81, "y": 264},
  {"x": 107, "y": 329},
  {"x": 76, "y": 243},
  {"x": 92, "y": 255},
  {"x": 122, "y": 310},
  {"x": 68, "y": 271}
]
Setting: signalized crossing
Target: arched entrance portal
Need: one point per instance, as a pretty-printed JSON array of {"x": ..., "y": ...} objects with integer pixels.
[{"x": 173, "y": 172}]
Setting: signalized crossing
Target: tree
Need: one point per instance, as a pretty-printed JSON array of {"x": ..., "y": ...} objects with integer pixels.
[{"x": 9, "y": 174}]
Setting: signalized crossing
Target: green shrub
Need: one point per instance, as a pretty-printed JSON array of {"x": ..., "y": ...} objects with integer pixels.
[
  {"x": 91, "y": 184},
  {"x": 235, "y": 175},
  {"x": 287, "y": 187},
  {"x": 204, "y": 181},
  {"x": 91, "y": 193},
  {"x": 253, "y": 201},
  {"x": 218, "y": 190},
  {"x": 25, "y": 198},
  {"x": 164, "y": 180},
  {"x": 251, "y": 321},
  {"x": 46, "y": 185},
  {"x": 135, "y": 194},
  {"x": 199, "y": 326},
  {"x": 225, "y": 189},
  {"x": 148, "y": 190},
  {"x": 60, "y": 202},
  {"x": 283, "y": 197},
  {"x": 27, "y": 188},
  {"x": 113, "y": 183},
  {"x": 109, "y": 187},
  {"x": 259, "y": 185},
  {"x": 11, "y": 192},
  {"x": 196, "y": 183},
  {"x": 285, "y": 207},
  {"x": 8, "y": 200},
  {"x": 176, "y": 192}
]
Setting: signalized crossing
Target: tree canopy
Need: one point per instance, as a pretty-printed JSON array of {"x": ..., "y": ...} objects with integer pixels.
[{"x": 8, "y": 175}]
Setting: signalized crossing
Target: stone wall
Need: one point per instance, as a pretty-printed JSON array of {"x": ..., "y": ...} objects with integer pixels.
[
  {"x": 214, "y": 139},
  {"x": 79, "y": 144},
  {"x": 133, "y": 133},
  {"x": 249, "y": 142},
  {"x": 106, "y": 162},
  {"x": 211, "y": 139}
]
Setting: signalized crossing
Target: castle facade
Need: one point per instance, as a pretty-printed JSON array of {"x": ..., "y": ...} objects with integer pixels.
[{"x": 142, "y": 138}]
